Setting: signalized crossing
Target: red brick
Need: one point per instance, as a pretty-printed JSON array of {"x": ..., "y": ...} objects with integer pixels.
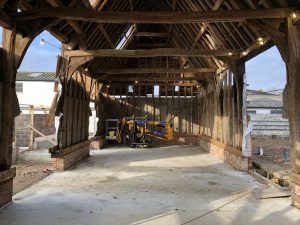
[
  {"x": 6, "y": 186},
  {"x": 235, "y": 161},
  {"x": 67, "y": 161},
  {"x": 296, "y": 191}
]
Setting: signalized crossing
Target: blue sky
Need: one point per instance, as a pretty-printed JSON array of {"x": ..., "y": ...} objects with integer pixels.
[
  {"x": 266, "y": 71},
  {"x": 40, "y": 58}
]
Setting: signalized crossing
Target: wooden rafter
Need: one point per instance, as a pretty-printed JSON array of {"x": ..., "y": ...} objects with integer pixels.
[
  {"x": 5, "y": 20},
  {"x": 130, "y": 5},
  {"x": 152, "y": 34},
  {"x": 106, "y": 36},
  {"x": 73, "y": 23},
  {"x": 205, "y": 25}
]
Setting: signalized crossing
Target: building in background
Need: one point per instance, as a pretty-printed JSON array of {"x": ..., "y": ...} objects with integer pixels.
[
  {"x": 265, "y": 110},
  {"x": 37, "y": 89}
]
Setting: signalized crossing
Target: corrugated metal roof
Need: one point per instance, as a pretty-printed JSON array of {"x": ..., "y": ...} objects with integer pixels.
[
  {"x": 35, "y": 76},
  {"x": 258, "y": 99}
]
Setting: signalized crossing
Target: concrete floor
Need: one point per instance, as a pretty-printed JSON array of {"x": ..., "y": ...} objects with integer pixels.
[{"x": 168, "y": 185}]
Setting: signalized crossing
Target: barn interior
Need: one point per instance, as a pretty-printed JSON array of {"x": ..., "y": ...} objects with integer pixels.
[{"x": 173, "y": 61}]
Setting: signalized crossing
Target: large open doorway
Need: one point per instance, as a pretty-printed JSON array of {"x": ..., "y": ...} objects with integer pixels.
[
  {"x": 266, "y": 79},
  {"x": 34, "y": 130}
]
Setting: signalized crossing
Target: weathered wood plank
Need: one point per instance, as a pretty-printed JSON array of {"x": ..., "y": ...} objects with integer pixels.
[
  {"x": 153, "y": 17},
  {"x": 152, "y": 34},
  {"x": 151, "y": 52},
  {"x": 154, "y": 70}
]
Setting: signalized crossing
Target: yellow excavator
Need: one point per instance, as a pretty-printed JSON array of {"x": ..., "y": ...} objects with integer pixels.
[{"x": 139, "y": 131}]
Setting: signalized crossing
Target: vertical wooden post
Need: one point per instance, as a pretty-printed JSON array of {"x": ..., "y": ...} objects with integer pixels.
[
  {"x": 229, "y": 108},
  {"x": 292, "y": 59},
  {"x": 31, "y": 135},
  {"x": 238, "y": 68},
  {"x": 167, "y": 106},
  {"x": 293, "y": 85},
  {"x": 139, "y": 98},
  {"x": 14, "y": 47},
  {"x": 192, "y": 112}
]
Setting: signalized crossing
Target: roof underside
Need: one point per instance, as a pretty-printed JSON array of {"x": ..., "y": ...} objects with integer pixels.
[{"x": 210, "y": 36}]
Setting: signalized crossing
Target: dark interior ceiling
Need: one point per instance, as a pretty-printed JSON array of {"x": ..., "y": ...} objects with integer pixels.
[{"x": 213, "y": 35}]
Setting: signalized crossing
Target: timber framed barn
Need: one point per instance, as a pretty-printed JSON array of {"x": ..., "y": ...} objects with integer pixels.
[{"x": 157, "y": 58}]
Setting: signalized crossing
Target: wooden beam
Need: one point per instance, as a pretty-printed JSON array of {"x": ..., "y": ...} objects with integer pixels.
[
  {"x": 204, "y": 27},
  {"x": 174, "y": 3},
  {"x": 3, "y": 3},
  {"x": 185, "y": 84},
  {"x": 72, "y": 23},
  {"x": 86, "y": 3},
  {"x": 152, "y": 34},
  {"x": 5, "y": 20},
  {"x": 130, "y": 5},
  {"x": 106, "y": 36},
  {"x": 40, "y": 133},
  {"x": 153, "y": 45},
  {"x": 154, "y": 70},
  {"x": 100, "y": 7},
  {"x": 256, "y": 49},
  {"x": 155, "y": 79},
  {"x": 151, "y": 52},
  {"x": 153, "y": 17},
  {"x": 56, "y": 33}
]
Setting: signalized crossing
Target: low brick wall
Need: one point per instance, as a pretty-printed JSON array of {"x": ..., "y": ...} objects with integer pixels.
[
  {"x": 225, "y": 153},
  {"x": 71, "y": 156},
  {"x": 6, "y": 186},
  {"x": 97, "y": 143},
  {"x": 296, "y": 191}
]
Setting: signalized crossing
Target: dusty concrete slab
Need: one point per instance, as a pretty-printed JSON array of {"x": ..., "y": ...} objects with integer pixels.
[
  {"x": 40, "y": 155},
  {"x": 124, "y": 186}
]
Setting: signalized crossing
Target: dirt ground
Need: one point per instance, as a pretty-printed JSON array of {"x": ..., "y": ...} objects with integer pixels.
[
  {"x": 271, "y": 163},
  {"x": 273, "y": 148},
  {"x": 29, "y": 173}
]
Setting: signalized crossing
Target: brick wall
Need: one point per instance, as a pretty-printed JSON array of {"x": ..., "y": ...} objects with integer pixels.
[
  {"x": 296, "y": 191},
  {"x": 6, "y": 192},
  {"x": 68, "y": 160},
  {"x": 97, "y": 143},
  {"x": 22, "y": 132},
  {"x": 6, "y": 186},
  {"x": 271, "y": 143},
  {"x": 224, "y": 153}
]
